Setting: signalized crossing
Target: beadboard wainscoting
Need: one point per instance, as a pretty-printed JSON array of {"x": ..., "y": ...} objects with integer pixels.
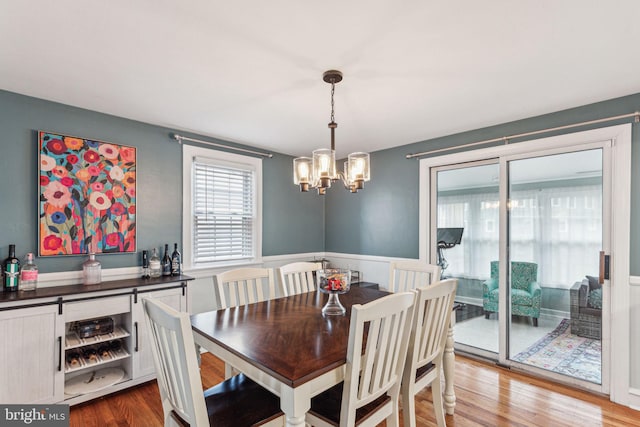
[{"x": 201, "y": 293}]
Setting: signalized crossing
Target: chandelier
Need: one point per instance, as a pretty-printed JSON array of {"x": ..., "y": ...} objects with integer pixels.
[{"x": 319, "y": 171}]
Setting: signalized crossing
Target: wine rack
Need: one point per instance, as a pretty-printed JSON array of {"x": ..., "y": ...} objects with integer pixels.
[
  {"x": 96, "y": 350},
  {"x": 81, "y": 353}
]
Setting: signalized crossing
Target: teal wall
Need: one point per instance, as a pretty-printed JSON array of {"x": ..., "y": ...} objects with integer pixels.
[
  {"x": 383, "y": 219},
  {"x": 292, "y": 223}
]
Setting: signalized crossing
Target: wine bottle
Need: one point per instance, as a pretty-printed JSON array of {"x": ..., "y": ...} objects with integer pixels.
[
  {"x": 155, "y": 269},
  {"x": 29, "y": 274},
  {"x": 145, "y": 265},
  {"x": 176, "y": 267},
  {"x": 166, "y": 262},
  {"x": 11, "y": 271}
]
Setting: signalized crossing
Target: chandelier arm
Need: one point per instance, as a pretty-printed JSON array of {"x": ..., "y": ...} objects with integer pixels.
[{"x": 341, "y": 177}]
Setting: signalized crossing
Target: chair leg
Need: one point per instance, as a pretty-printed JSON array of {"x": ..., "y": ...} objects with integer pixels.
[
  {"x": 436, "y": 393},
  {"x": 393, "y": 419},
  {"x": 535, "y": 322},
  {"x": 408, "y": 406}
]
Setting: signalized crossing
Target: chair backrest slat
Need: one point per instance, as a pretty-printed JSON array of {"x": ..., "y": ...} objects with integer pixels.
[
  {"x": 408, "y": 275},
  {"x": 244, "y": 286},
  {"x": 297, "y": 277},
  {"x": 368, "y": 375}
]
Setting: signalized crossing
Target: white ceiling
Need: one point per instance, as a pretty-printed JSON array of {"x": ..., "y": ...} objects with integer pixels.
[{"x": 251, "y": 71}]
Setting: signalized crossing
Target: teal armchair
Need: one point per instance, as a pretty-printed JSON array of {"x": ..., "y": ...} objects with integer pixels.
[{"x": 526, "y": 294}]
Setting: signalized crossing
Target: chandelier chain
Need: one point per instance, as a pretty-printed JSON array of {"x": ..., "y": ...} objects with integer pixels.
[{"x": 333, "y": 89}]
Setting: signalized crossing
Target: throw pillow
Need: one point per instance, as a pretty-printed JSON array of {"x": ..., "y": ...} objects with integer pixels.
[
  {"x": 594, "y": 283},
  {"x": 595, "y": 299}
]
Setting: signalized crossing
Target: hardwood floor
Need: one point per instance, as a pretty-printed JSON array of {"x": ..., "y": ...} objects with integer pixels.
[{"x": 486, "y": 396}]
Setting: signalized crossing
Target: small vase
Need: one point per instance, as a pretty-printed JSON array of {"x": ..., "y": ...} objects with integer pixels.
[
  {"x": 91, "y": 271},
  {"x": 334, "y": 281},
  {"x": 333, "y": 306}
]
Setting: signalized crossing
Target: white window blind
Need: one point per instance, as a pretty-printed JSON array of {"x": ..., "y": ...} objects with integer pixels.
[{"x": 223, "y": 211}]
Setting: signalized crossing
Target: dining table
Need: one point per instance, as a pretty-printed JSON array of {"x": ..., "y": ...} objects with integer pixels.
[{"x": 287, "y": 346}]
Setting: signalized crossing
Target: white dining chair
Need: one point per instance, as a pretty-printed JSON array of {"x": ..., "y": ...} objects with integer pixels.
[
  {"x": 369, "y": 393},
  {"x": 407, "y": 275},
  {"x": 235, "y": 402},
  {"x": 297, "y": 277},
  {"x": 426, "y": 347},
  {"x": 244, "y": 286}
]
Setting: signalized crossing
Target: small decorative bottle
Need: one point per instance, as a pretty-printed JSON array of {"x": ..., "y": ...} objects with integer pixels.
[
  {"x": 91, "y": 271},
  {"x": 155, "y": 269},
  {"x": 29, "y": 274}
]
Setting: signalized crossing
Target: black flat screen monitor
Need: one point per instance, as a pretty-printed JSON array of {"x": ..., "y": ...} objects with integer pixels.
[{"x": 450, "y": 236}]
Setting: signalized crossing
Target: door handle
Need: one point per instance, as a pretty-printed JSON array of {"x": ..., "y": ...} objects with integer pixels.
[
  {"x": 59, "y": 354},
  {"x": 604, "y": 267},
  {"x": 135, "y": 325}
]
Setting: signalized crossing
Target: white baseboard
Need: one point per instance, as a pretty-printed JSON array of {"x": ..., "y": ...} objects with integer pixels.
[{"x": 634, "y": 398}]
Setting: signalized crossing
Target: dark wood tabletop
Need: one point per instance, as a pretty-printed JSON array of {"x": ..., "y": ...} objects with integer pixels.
[{"x": 288, "y": 338}]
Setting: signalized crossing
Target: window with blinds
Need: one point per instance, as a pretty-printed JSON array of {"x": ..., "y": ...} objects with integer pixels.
[{"x": 223, "y": 209}]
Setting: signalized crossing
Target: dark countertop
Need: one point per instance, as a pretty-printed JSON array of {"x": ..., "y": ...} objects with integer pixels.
[{"x": 61, "y": 291}]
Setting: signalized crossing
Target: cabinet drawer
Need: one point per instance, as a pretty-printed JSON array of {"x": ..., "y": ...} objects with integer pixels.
[{"x": 107, "y": 306}]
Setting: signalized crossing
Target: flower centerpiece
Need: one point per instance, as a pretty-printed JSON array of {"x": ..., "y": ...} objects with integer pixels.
[{"x": 333, "y": 281}]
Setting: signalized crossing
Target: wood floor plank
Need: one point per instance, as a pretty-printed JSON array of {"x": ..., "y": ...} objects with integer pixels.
[{"x": 486, "y": 396}]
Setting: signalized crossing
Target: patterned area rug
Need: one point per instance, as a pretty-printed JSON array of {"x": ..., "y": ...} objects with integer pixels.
[{"x": 567, "y": 354}]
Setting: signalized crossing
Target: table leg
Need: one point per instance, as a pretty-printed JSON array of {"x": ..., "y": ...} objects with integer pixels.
[
  {"x": 229, "y": 371},
  {"x": 295, "y": 403},
  {"x": 449, "y": 371}
]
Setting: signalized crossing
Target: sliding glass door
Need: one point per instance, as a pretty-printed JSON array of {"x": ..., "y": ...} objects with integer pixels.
[
  {"x": 528, "y": 261},
  {"x": 468, "y": 201},
  {"x": 555, "y": 235}
]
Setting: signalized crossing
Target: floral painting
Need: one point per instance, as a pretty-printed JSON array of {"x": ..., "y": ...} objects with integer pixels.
[{"x": 87, "y": 196}]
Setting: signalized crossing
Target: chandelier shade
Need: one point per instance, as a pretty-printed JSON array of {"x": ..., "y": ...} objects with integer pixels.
[
  {"x": 303, "y": 172},
  {"x": 320, "y": 171}
]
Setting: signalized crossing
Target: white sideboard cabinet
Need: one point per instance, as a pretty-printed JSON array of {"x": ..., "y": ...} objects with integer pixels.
[
  {"x": 31, "y": 355},
  {"x": 47, "y": 355}
]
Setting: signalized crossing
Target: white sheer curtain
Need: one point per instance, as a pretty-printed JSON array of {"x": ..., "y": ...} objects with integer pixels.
[
  {"x": 479, "y": 215},
  {"x": 559, "y": 228}
]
